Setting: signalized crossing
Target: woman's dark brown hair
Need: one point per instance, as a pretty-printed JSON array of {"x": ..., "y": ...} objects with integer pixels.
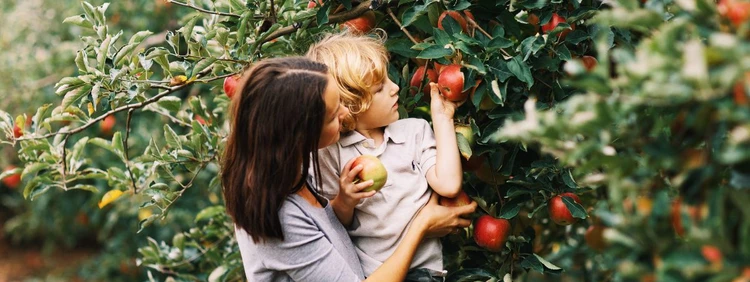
[{"x": 276, "y": 121}]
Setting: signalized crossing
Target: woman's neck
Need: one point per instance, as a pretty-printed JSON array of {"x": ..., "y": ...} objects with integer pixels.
[{"x": 308, "y": 196}]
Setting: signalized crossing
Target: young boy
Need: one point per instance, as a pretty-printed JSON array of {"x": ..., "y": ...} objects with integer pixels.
[{"x": 414, "y": 157}]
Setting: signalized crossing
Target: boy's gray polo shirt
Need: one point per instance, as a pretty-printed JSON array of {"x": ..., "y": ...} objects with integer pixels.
[{"x": 407, "y": 152}]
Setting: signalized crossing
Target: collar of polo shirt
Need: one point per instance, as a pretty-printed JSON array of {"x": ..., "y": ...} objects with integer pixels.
[{"x": 393, "y": 131}]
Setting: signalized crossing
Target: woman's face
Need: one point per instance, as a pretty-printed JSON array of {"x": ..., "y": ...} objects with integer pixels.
[{"x": 335, "y": 111}]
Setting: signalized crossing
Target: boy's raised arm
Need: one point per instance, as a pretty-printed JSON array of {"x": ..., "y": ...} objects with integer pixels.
[{"x": 446, "y": 176}]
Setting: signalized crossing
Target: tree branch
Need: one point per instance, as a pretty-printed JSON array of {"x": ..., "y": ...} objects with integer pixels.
[
  {"x": 203, "y": 10},
  {"x": 151, "y": 100},
  {"x": 393, "y": 16},
  {"x": 336, "y": 18},
  {"x": 125, "y": 148},
  {"x": 474, "y": 24}
]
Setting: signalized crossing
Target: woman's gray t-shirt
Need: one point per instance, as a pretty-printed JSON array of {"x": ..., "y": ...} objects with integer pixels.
[{"x": 316, "y": 247}]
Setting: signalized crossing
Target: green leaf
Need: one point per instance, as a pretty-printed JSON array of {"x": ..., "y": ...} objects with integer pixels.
[
  {"x": 88, "y": 10},
  {"x": 102, "y": 53},
  {"x": 410, "y": 15},
  {"x": 463, "y": 146},
  {"x": 74, "y": 96},
  {"x": 170, "y": 103},
  {"x": 118, "y": 146},
  {"x": 242, "y": 30},
  {"x": 79, "y": 20},
  {"x": 563, "y": 53},
  {"x": 201, "y": 65},
  {"x": 512, "y": 207},
  {"x": 187, "y": 29},
  {"x": 547, "y": 264},
  {"x": 172, "y": 139},
  {"x": 567, "y": 178},
  {"x": 450, "y": 25},
  {"x": 470, "y": 275},
  {"x": 575, "y": 208},
  {"x": 434, "y": 52},
  {"x": 521, "y": 70},
  {"x": 209, "y": 212},
  {"x": 123, "y": 53},
  {"x": 322, "y": 15},
  {"x": 577, "y": 36},
  {"x": 86, "y": 187},
  {"x": 531, "y": 262},
  {"x": 32, "y": 169},
  {"x": 75, "y": 154},
  {"x": 499, "y": 43}
]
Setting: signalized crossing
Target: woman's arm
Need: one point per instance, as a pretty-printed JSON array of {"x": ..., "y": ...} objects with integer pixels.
[{"x": 432, "y": 220}]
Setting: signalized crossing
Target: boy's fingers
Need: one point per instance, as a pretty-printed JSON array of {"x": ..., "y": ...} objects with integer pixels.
[
  {"x": 364, "y": 195},
  {"x": 353, "y": 172},
  {"x": 434, "y": 90},
  {"x": 361, "y": 186}
]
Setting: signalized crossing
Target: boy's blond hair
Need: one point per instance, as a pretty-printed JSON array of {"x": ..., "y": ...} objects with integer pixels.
[{"x": 357, "y": 62}]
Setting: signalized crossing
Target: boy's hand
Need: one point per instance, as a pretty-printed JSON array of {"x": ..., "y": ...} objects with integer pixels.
[
  {"x": 351, "y": 193},
  {"x": 439, "y": 105}
]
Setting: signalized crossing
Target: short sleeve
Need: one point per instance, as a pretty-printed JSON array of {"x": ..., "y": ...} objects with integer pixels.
[
  {"x": 426, "y": 145},
  {"x": 305, "y": 254},
  {"x": 330, "y": 170}
]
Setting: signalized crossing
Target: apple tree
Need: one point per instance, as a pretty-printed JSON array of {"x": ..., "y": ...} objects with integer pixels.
[{"x": 602, "y": 140}]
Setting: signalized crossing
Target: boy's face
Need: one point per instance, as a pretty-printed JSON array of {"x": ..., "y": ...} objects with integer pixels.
[
  {"x": 384, "y": 107},
  {"x": 335, "y": 111}
]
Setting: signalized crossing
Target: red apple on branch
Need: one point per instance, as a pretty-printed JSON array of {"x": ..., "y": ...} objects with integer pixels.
[
  {"x": 589, "y": 62},
  {"x": 362, "y": 24},
  {"x": 559, "y": 212},
  {"x": 372, "y": 169},
  {"x": 451, "y": 83},
  {"x": 491, "y": 233},
  {"x": 230, "y": 85},
  {"x": 416, "y": 80},
  {"x": 12, "y": 180},
  {"x": 552, "y": 24},
  {"x": 107, "y": 124}
]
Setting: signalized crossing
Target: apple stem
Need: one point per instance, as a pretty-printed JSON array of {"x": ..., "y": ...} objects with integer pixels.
[
  {"x": 393, "y": 16},
  {"x": 474, "y": 24}
]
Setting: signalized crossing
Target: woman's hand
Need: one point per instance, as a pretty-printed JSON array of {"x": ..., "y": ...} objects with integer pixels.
[
  {"x": 351, "y": 193},
  {"x": 438, "y": 221}
]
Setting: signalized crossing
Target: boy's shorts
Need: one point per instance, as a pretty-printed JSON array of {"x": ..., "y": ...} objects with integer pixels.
[{"x": 425, "y": 275}]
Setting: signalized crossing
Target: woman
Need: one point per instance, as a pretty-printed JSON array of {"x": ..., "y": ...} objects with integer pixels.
[{"x": 286, "y": 110}]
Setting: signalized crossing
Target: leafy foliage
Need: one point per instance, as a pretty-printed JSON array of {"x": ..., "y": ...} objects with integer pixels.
[{"x": 653, "y": 137}]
